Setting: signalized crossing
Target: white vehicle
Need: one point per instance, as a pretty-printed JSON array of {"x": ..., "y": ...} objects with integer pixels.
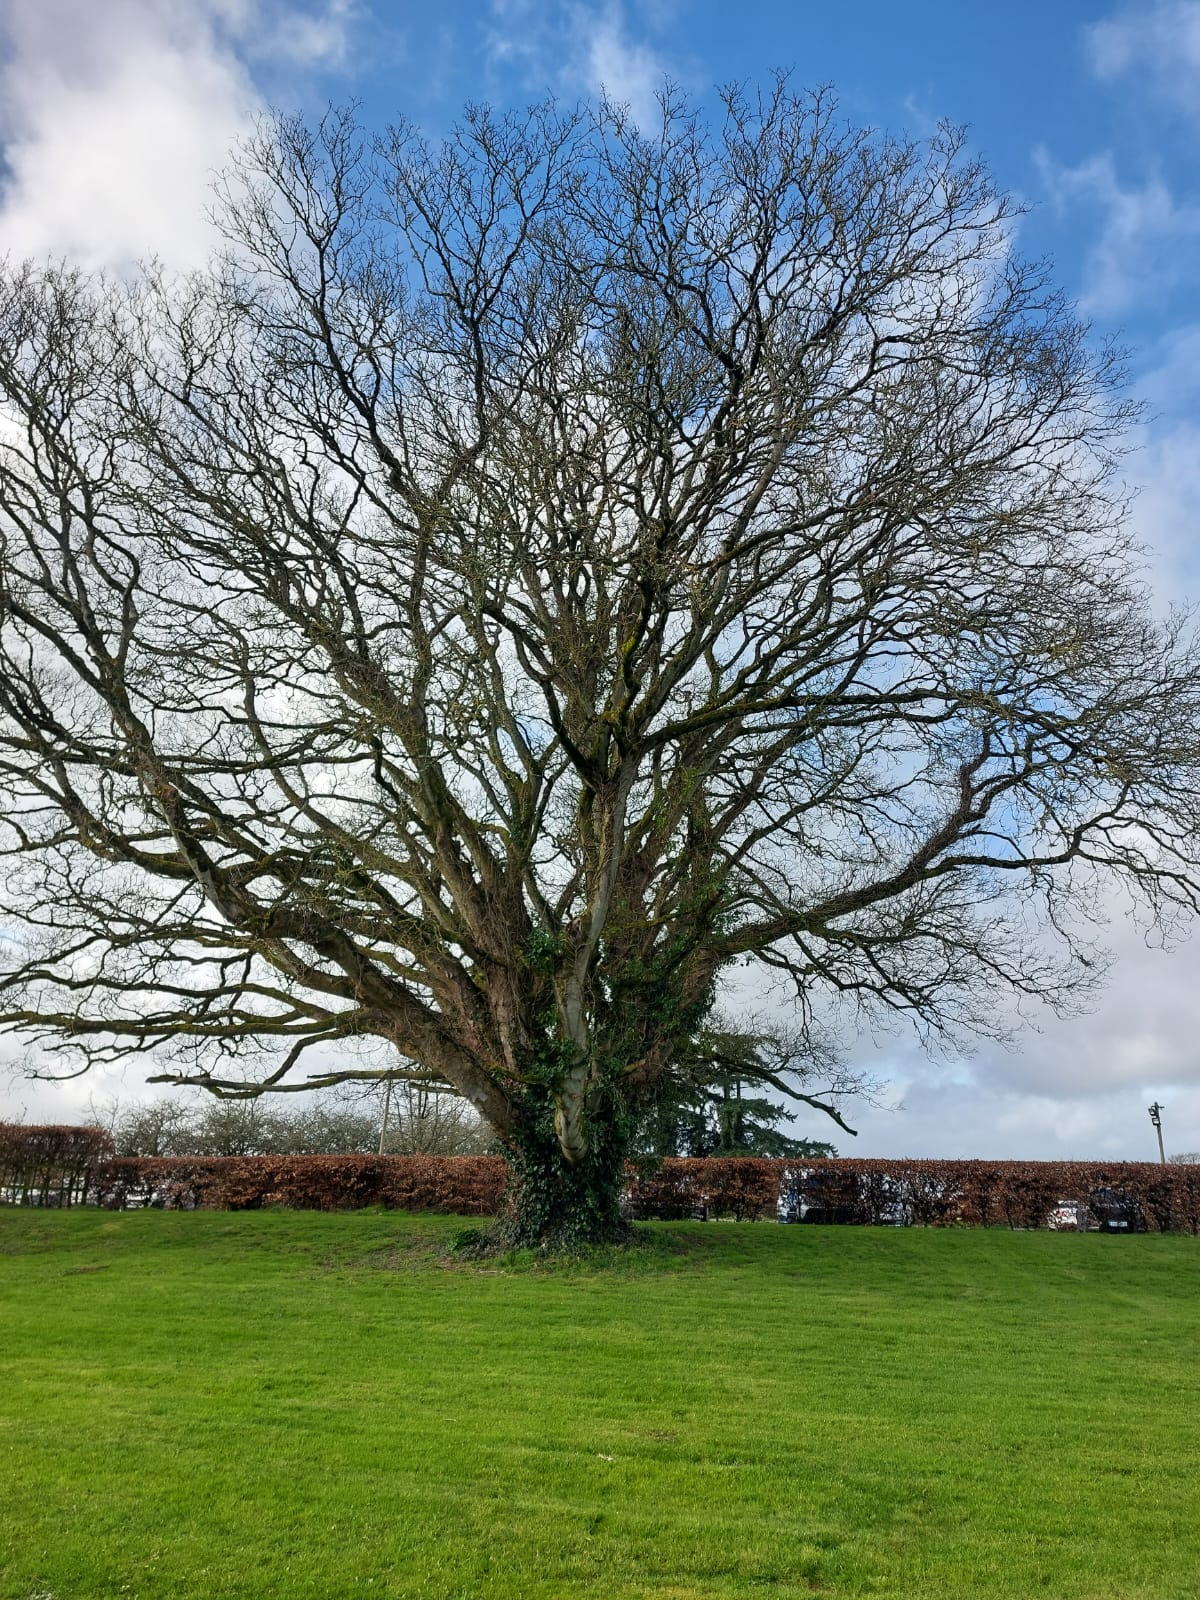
[{"x": 1068, "y": 1216}]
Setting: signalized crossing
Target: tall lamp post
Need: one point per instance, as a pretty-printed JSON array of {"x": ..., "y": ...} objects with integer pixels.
[{"x": 1156, "y": 1119}]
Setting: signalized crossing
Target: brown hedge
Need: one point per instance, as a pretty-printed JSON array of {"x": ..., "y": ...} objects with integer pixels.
[
  {"x": 741, "y": 1187},
  {"x": 461, "y": 1185},
  {"x": 50, "y": 1164},
  {"x": 1014, "y": 1194}
]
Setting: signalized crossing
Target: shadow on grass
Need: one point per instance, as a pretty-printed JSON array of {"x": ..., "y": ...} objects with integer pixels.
[{"x": 649, "y": 1252}]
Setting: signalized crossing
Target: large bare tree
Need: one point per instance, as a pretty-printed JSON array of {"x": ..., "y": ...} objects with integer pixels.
[{"x": 525, "y": 579}]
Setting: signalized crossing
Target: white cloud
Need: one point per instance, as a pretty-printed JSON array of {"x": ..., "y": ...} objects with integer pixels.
[
  {"x": 1163, "y": 467},
  {"x": 580, "y": 49},
  {"x": 115, "y": 117},
  {"x": 1147, "y": 242},
  {"x": 1159, "y": 43},
  {"x": 114, "y": 122},
  {"x": 1080, "y": 1086},
  {"x": 1166, "y": 473},
  {"x": 1061, "y": 1087},
  {"x": 1075, "y": 1086},
  {"x": 985, "y": 1119},
  {"x": 1170, "y": 378},
  {"x": 306, "y": 39},
  {"x": 626, "y": 71}
]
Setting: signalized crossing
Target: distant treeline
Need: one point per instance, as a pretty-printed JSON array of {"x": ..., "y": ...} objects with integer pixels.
[{"x": 417, "y": 1123}]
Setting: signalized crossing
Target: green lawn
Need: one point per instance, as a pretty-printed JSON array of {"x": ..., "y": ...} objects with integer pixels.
[{"x": 252, "y": 1405}]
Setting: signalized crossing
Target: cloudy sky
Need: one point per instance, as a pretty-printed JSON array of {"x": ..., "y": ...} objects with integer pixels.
[{"x": 113, "y": 118}]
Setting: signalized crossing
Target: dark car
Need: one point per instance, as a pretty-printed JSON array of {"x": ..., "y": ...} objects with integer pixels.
[
  {"x": 1115, "y": 1211},
  {"x": 822, "y": 1197}
]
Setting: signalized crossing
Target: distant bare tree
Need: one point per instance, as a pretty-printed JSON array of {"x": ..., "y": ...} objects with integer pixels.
[
  {"x": 326, "y": 1126},
  {"x": 236, "y": 1128},
  {"x": 146, "y": 1127},
  {"x": 425, "y": 1123},
  {"x": 526, "y": 579}
]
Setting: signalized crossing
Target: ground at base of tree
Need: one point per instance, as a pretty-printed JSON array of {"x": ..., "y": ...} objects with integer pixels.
[{"x": 275, "y": 1405}]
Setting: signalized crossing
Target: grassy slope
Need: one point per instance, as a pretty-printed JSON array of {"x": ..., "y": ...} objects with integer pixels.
[{"x": 274, "y": 1404}]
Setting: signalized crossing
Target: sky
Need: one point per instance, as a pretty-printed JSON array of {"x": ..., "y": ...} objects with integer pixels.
[{"x": 114, "y": 118}]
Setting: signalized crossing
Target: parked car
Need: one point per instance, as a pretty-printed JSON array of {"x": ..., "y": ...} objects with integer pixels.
[
  {"x": 1115, "y": 1211},
  {"x": 827, "y": 1197},
  {"x": 1069, "y": 1216},
  {"x": 1104, "y": 1211}
]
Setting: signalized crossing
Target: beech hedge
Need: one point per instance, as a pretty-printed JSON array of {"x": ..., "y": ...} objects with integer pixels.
[
  {"x": 63, "y": 1166},
  {"x": 471, "y": 1186},
  {"x": 1014, "y": 1194},
  {"x": 50, "y": 1164}
]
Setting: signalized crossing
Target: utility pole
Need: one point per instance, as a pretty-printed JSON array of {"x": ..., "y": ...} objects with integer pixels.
[
  {"x": 387, "y": 1107},
  {"x": 1156, "y": 1119}
]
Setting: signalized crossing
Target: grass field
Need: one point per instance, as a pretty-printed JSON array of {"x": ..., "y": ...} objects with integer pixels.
[{"x": 211, "y": 1405}]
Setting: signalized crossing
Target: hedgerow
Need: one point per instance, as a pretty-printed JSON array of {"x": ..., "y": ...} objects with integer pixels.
[
  {"x": 1014, "y": 1194},
  {"x": 460, "y": 1185},
  {"x": 50, "y": 1164},
  {"x": 71, "y": 1165}
]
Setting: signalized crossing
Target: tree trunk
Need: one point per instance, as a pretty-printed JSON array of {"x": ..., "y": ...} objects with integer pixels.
[{"x": 555, "y": 1202}]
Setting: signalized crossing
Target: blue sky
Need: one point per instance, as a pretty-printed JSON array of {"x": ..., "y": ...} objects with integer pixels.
[
  {"x": 113, "y": 117},
  {"x": 1088, "y": 113}
]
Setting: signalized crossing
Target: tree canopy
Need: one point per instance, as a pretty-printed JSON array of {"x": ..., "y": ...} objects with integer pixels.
[{"x": 525, "y": 579}]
